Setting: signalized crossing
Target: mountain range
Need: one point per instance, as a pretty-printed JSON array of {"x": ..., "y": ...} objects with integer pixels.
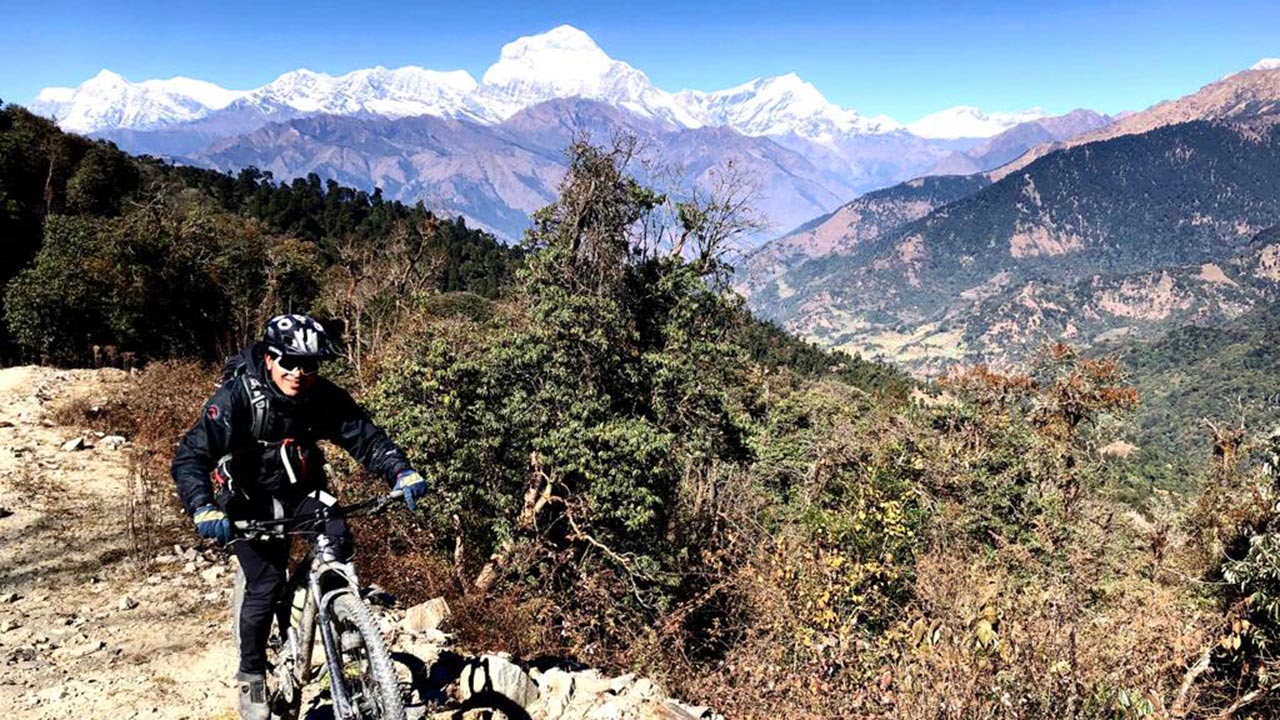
[
  {"x": 561, "y": 63},
  {"x": 1147, "y": 223},
  {"x": 485, "y": 154}
]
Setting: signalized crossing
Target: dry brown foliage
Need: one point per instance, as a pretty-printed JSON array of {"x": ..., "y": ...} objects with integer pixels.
[{"x": 165, "y": 400}]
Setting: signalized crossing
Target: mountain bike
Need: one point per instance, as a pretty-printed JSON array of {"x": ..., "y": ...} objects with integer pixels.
[{"x": 323, "y": 594}]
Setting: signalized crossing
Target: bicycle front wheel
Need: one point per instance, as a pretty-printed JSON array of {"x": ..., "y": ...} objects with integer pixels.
[{"x": 367, "y": 676}]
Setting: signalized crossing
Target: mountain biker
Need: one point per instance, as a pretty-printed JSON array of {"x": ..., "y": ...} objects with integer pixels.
[{"x": 252, "y": 454}]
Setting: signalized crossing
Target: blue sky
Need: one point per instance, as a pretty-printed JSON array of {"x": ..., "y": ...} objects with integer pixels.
[{"x": 900, "y": 59}]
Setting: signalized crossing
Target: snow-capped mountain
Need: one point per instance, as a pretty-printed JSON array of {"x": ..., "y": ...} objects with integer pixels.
[
  {"x": 779, "y": 106},
  {"x": 1266, "y": 64},
  {"x": 109, "y": 101},
  {"x": 402, "y": 92},
  {"x": 565, "y": 62},
  {"x": 963, "y": 121},
  {"x": 561, "y": 63}
]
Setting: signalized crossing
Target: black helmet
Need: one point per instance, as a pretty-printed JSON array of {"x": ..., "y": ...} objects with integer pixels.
[{"x": 297, "y": 336}]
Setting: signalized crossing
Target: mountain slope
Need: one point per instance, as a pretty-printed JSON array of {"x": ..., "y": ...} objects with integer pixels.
[
  {"x": 497, "y": 174},
  {"x": 850, "y": 225},
  {"x": 1013, "y": 142},
  {"x": 1247, "y": 94},
  {"x": 1178, "y": 196}
]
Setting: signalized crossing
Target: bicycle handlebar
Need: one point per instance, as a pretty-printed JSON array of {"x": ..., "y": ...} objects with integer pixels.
[{"x": 298, "y": 524}]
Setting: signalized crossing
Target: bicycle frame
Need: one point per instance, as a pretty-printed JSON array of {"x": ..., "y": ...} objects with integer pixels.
[{"x": 311, "y": 608}]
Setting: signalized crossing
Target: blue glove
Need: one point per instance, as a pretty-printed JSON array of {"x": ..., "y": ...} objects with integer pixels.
[
  {"x": 213, "y": 524},
  {"x": 413, "y": 486}
]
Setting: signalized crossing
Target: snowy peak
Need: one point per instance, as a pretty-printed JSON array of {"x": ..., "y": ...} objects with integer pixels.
[
  {"x": 401, "y": 92},
  {"x": 963, "y": 121},
  {"x": 107, "y": 100},
  {"x": 1266, "y": 64},
  {"x": 780, "y": 105},
  {"x": 565, "y": 62}
]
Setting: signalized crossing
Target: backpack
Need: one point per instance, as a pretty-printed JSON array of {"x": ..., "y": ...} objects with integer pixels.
[{"x": 237, "y": 368}]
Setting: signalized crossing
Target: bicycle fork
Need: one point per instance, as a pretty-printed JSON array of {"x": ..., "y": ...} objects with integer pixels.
[{"x": 328, "y": 566}]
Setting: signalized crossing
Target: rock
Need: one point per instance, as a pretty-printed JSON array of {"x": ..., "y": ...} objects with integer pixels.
[
  {"x": 8, "y": 625},
  {"x": 9, "y": 597},
  {"x": 212, "y": 597},
  {"x": 557, "y": 689},
  {"x": 606, "y": 711},
  {"x": 493, "y": 674},
  {"x": 427, "y": 652},
  {"x": 112, "y": 442},
  {"x": 189, "y": 568},
  {"x": 619, "y": 684},
  {"x": 645, "y": 688},
  {"x": 429, "y": 615},
  {"x": 697, "y": 711},
  {"x": 127, "y": 603},
  {"x": 82, "y": 649},
  {"x": 5, "y": 424},
  {"x": 589, "y": 682},
  {"x": 211, "y": 574},
  {"x": 53, "y": 694},
  {"x": 73, "y": 444}
]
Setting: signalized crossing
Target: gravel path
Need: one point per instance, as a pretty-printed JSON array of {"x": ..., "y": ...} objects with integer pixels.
[{"x": 84, "y": 633}]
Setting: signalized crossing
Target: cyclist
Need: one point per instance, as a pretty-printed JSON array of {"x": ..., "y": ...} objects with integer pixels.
[{"x": 252, "y": 454}]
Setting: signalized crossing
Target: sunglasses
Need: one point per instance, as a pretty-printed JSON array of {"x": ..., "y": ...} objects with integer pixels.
[{"x": 298, "y": 365}]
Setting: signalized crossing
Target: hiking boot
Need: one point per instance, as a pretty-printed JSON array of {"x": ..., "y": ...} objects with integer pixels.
[{"x": 253, "y": 696}]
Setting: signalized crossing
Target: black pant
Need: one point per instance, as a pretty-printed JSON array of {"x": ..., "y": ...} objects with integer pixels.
[{"x": 264, "y": 563}]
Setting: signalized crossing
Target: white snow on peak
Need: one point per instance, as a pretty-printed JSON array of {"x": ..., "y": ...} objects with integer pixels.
[
  {"x": 401, "y": 92},
  {"x": 964, "y": 121},
  {"x": 1266, "y": 64},
  {"x": 206, "y": 93},
  {"x": 778, "y": 106},
  {"x": 107, "y": 100},
  {"x": 565, "y": 62}
]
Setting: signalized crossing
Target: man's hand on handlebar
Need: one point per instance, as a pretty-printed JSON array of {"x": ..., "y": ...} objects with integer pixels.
[
  {"x": 413, "y": 487},
  {"x": 212, "y": 523}
]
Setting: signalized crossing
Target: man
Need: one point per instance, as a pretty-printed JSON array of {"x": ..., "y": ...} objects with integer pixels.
[{"x": 253, "y": 455}]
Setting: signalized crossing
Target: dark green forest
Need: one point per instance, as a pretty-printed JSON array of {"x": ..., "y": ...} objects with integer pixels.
[{"x": 101, "y": 248}]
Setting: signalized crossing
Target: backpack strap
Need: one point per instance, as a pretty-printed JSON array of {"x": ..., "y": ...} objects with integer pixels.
[{"x": 258, "y": 400}]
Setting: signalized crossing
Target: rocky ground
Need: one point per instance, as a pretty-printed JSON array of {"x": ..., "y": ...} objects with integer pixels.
[{"x": 86, "y": 632}]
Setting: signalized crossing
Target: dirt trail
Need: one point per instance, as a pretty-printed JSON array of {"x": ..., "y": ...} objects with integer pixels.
[
  {"x": 83, "y": 633},
  {"x": 86, "y": 633}
]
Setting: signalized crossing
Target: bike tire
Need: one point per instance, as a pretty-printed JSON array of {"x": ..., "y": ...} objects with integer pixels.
[
  {"x": 379, "y": 675},
  {"x": 282, "y": 708}
]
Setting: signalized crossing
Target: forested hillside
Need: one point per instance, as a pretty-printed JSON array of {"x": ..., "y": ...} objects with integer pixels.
[
  {"x": 110, "y": 250},
  {"x": 1045, "y": 253},
  {"x": 628, "y": 470}
]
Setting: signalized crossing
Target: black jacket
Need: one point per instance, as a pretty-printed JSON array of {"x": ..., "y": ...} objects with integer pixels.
[{"x": 324, "y": 412}]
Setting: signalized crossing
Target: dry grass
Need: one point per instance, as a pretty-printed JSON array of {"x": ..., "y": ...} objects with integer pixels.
[{"x": 165, "y": 400}]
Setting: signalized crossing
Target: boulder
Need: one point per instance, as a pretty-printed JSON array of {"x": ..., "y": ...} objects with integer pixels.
[
  {"x": 112, "y": 442},
  {"x": 429, "y": 615},
  {"x": 557, "y": 691},
  {"x": 74, "y": 444},
  {"x": 494, "y": 674}
]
